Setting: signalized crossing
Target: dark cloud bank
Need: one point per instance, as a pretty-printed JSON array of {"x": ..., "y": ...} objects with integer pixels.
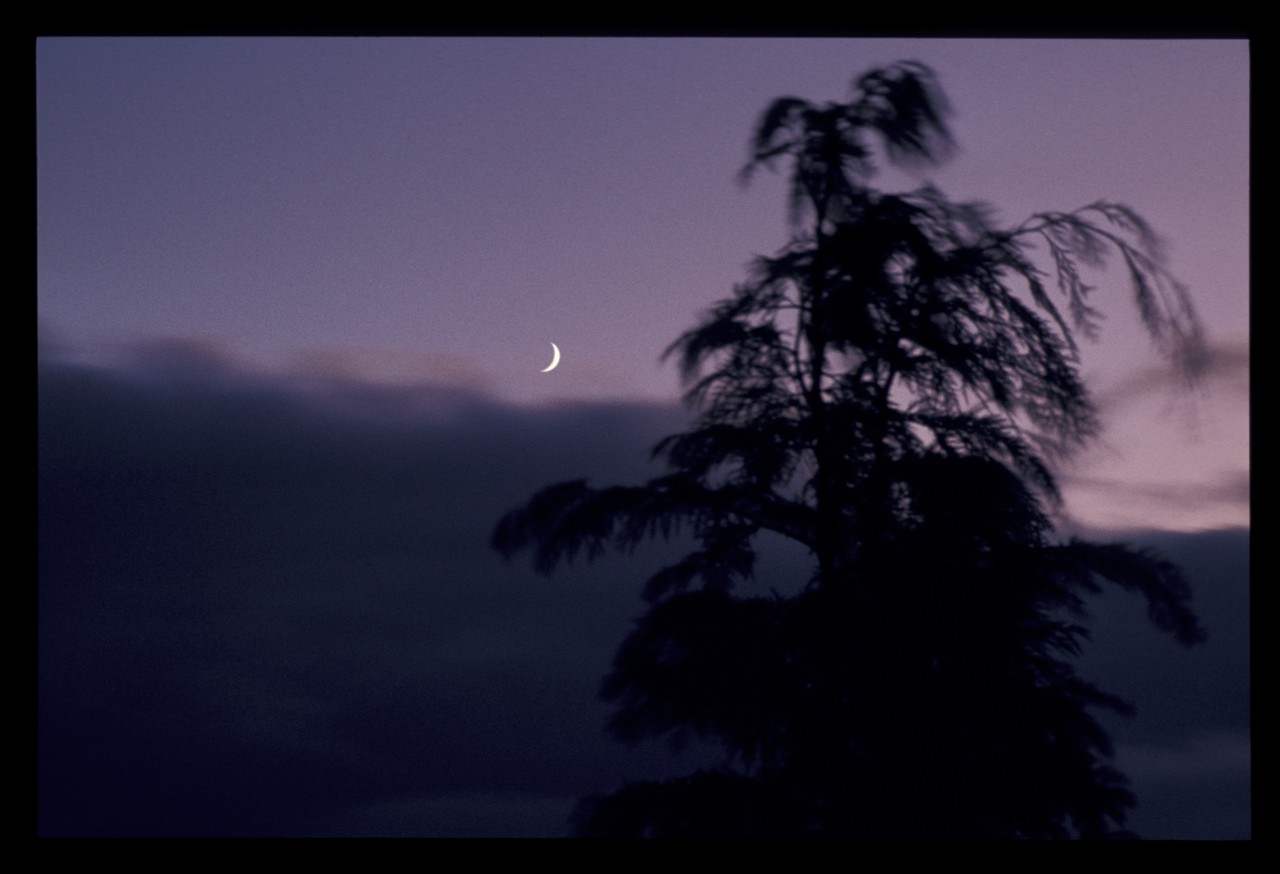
[{"x": 270, "y": 608}]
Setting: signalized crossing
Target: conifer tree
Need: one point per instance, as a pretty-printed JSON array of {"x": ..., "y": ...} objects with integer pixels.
[{"x": 889, "y": 390}]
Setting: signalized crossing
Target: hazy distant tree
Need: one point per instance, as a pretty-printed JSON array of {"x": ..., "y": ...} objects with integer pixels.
[{"x": 889, "y": 390}]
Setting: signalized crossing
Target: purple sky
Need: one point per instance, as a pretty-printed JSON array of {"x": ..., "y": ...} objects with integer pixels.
[
  {"x": 443, "y": 209},
  {"x": 228, "y": 222}
]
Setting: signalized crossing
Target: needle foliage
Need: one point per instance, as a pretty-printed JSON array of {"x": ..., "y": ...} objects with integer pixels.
[{"x": 889, "y": 390}]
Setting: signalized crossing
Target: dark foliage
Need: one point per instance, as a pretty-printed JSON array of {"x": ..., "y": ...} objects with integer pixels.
[{"x": 889, "y": 390}]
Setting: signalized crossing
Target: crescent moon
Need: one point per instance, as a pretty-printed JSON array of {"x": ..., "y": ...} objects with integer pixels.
[{"x": 555, "y": 359}]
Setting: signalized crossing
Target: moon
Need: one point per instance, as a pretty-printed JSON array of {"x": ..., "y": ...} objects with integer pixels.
[{"x": 555, "y": 359}]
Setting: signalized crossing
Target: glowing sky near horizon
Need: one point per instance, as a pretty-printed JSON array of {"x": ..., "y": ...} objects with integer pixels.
[{"x": 443, "y": 209}]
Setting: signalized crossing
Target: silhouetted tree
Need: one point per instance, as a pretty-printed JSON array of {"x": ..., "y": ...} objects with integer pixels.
[{"x": 889, "y": 390}]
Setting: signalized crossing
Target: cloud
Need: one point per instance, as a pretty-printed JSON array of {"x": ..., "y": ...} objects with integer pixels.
[
  {"x": 262, "y": 602},
  {"x": 1224, "y": 367},
  {"x": 1214, "y": 755},
  {"x": 1171, "y": 454},
  {"x": 1201, "y": 782},
  {"x": 1228, "y": 487},
  {"x": 352, "y": 365},
  {"x": 180, "y": 359},
  {"x": 268, "y": 606},
  {"x": 460, "y": 815}
]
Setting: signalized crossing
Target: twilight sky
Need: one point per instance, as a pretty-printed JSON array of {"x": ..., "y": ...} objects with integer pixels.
[
  {"x": 294, "y": 296},
  {"x": 444, "y": 209}
]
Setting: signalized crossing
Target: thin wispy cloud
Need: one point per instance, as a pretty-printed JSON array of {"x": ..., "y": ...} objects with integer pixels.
[{"x": 1224, "y": 368}]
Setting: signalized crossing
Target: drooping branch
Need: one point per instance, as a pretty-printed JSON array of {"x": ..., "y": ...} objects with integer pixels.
[
  {"x": 1163, "y": 302},
  {"x": 1081, "y": 564},
  {"x": 570, "y": 519}
]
